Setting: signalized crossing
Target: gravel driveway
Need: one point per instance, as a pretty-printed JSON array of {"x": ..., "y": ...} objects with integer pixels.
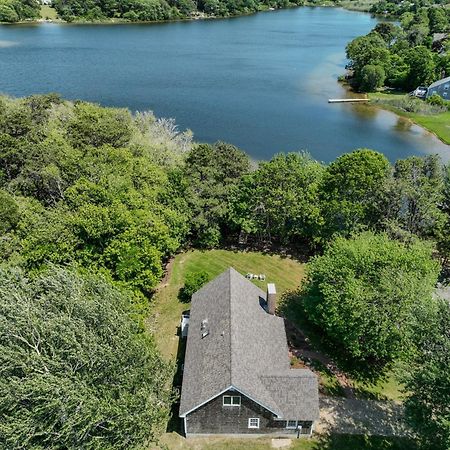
[{"x": 348, "y": 415}]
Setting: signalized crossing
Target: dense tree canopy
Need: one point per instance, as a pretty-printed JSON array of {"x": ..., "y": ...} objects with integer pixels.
[
  {"x": 116, "y": 195},
  {"x": 153, "y": 10},
  {"x": 19, "y": 10},
  {"x": 350, "y": 191},
  {"x": 427, "y": 381},
  {"x": 211, "y": 172},
  {"x": 279, "y": 200},
  {"x": 364, "y": 293},
  {"x": 77, "y": 372},
  {"x": 404, "y": 54},
  {"x": 92, "y": 186}
]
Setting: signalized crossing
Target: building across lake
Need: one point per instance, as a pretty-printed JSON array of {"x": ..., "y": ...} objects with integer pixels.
[{"x": 441, "y": 88}]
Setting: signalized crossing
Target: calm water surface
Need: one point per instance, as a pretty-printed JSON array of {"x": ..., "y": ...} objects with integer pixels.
[{"x": 261, "y": 82}]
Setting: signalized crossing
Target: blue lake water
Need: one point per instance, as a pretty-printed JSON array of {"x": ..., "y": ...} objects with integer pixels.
[{"x": 260, "y": 82}]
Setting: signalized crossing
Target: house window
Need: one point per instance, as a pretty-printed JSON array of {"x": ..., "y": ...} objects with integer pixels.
[
  {"x": 253, "y": 423},
  {"x": 231, "y": 400},
  {"x": 291, "y": 424}
]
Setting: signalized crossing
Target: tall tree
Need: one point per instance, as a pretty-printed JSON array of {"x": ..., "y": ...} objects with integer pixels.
[
  {"x": 280, "y": 200},
  {"x": 350, "y": 191},
  {"x": 364, "y": 293},
  {"x": 427, "y": 381},
  {"x": 77, "y": 371},
  {"x": 414, "y": 196},
  {"x": 212, "y": 171}
]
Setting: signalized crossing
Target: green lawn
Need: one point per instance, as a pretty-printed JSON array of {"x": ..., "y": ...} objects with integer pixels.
[
  {"x": 438, "y": 124},
  {"x": 174, "y": 441},
  {"x": 387, "y": 388},
  {"x": 357, "y": 5},
  {"x": 47, "y": 12},
  {"x": 286, "y": 273}
]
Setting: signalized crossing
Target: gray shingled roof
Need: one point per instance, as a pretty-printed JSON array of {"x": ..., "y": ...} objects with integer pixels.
[
  {"x": 246, "y": 348},
  {"x": 439, "y": 82}
]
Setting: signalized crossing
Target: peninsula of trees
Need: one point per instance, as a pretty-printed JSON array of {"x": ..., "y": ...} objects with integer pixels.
[
  {"x": 403, "y": 56},
  {"x": 93, "y": 203}
]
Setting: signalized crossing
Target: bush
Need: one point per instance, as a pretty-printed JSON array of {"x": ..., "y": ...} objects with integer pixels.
[
  {"x": 194, "y": 281},
  {"x": 412, "y": 104}
]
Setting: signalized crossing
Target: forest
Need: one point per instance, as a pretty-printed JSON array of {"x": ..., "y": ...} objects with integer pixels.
[
  {"x": 402, "y": 56},
  {"x": 137, "y": 10},
  {"x": 93, "y": 203},
  {"x": 18, "y": 10}
]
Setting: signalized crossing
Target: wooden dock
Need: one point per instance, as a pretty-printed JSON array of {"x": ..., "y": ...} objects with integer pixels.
[{"x": 347, "y": 100}]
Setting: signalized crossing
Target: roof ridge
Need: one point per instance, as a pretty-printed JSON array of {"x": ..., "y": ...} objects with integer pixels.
[{"x": 231, "y": 327}]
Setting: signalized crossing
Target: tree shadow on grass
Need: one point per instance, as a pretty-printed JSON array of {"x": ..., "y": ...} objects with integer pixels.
[
  {"x": 363, "y": 442},
  {"x": 174, "y": 425},
  {"x": 292, "y": 308}
]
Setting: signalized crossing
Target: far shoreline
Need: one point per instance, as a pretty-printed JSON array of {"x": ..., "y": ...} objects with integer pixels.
[{"x": 200, "y": 16}]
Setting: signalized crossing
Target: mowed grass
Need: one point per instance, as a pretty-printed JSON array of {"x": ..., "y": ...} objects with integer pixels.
[
  {"x": 174, "y": 441},
  {"x": 285, "y": 272},
  {"x": 47, "y": 12},
  {"x": 357, "y": 5},
  {"x": 438, "y": 124},
  {"x": 387, "y": 388}
]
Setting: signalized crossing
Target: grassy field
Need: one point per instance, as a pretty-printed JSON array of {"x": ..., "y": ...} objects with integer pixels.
[
  {"x": 438, "y": 124},
  {"x": 357, "y": 5},
  {"x": 286, "y": 273},
  {"x": 174, "y": 441},
  {"x": 47, "y": 12}
]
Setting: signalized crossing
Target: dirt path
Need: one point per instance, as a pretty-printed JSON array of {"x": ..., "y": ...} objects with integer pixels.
[
  {"x": 167, "y": 272},
  {"x": 304, "y": 351}
]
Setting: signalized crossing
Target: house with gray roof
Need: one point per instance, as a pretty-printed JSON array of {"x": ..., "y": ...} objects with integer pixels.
[
  {"x": 237, "y": 378},
  {"x": 441, "y": 88}
]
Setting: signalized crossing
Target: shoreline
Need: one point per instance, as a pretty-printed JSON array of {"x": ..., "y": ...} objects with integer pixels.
[
  {"x": 199, "y": 16},
  {"x": 432, "y": 123},
  {"x": 421, "y": 120}
]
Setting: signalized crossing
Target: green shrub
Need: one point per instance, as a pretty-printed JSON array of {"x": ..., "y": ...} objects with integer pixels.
[{"x": 194, "y": 281}]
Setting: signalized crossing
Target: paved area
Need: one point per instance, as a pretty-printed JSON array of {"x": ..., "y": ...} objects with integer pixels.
[
  {"x": 281, "y": 443},
  {"x": 353, "y": 416}
]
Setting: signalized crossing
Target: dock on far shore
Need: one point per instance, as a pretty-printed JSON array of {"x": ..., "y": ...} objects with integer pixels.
[{"x": 347, "y": 100}]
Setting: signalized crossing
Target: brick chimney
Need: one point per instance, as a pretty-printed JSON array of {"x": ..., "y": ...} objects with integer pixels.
[{"x": 271, "y": 298}]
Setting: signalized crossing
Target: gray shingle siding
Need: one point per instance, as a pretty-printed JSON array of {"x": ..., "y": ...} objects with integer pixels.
[
  {"x": 214, "y": 418},
  {"x": 441, "y": 87}
]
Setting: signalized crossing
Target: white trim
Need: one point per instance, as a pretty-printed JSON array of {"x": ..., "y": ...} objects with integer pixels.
[
  {"x": 292, "y": 427},
  {"x": 185, "y": 426},
  {"x": 206, "y": 401},
  {"x": 253, "y": 426},
  {"x": 256, "y": 401},
  {"x": 230, "y": 388},
  {"x": 231, "y": 404}
]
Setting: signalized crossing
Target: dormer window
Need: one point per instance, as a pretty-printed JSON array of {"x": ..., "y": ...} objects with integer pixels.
[{"x": 231, "y": 400}]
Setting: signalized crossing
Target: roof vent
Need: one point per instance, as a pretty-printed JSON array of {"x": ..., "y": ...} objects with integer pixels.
[{"x": 204, "y": 328}]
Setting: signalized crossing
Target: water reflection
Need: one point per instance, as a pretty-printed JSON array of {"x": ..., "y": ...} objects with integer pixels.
[{"x": 261, "y": 82}]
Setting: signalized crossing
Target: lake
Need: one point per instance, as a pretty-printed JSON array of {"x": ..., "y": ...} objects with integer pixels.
[{"x": 260, "y": 82}]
